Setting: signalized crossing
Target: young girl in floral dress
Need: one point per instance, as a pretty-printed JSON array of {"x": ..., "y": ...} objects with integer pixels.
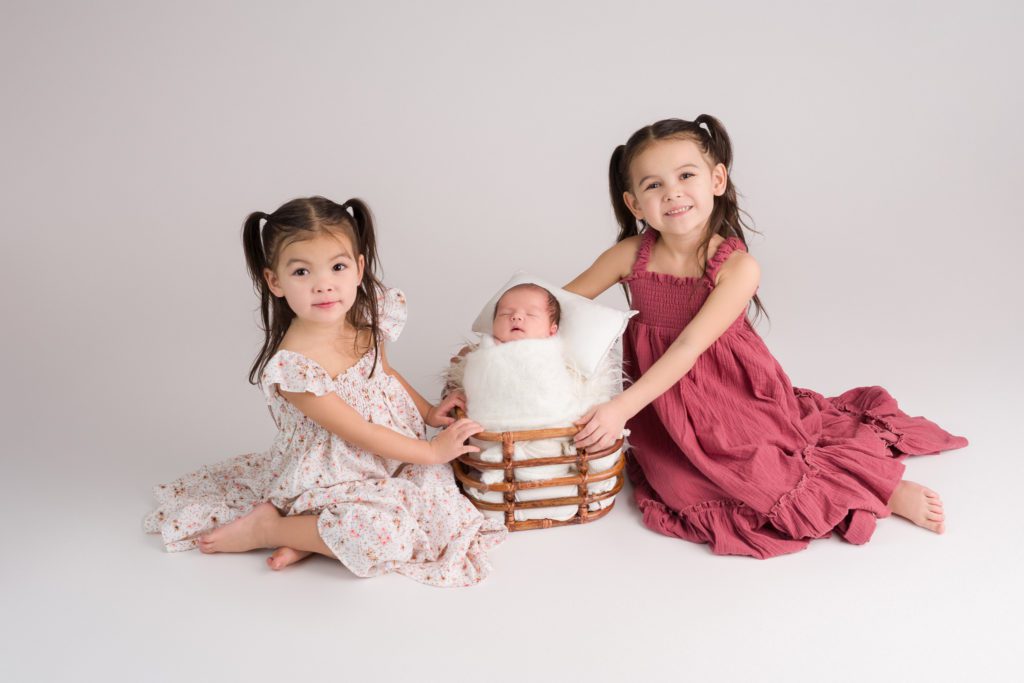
[{"x": 350, "y": 474}]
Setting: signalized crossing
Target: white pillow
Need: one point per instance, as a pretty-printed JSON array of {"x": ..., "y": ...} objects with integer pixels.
[{"x": 588, "y": 329}]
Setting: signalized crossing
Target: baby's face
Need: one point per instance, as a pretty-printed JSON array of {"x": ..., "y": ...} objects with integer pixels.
[{"x": 523, "y": 314}]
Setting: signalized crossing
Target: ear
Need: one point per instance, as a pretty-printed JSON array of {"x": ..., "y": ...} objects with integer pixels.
[
  {"x": 362, "y": 266},
  {"x": 272, "y": 282},
  {"x": 719, "y": 179},
  {"x": 632, "y": 205},
  {"x": 553, "y": 330}
]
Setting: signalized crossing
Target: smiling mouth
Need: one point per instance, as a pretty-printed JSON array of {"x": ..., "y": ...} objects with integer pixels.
[{"x": 678, "y": 211}]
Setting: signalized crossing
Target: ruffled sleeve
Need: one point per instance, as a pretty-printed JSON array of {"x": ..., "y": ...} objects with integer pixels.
[
  {"x": 393, "y": 312},
  {"x": 290, "y": 371}
]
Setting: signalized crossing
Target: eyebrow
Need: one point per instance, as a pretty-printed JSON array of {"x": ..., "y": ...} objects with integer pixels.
[
  {"x": 644, "y": 179},
  {"x": 343, "y": 254}
]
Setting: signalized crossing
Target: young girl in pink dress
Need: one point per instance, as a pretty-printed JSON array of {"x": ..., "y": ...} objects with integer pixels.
[
  {"x": 350, "y": 474},
  {"x": 725, "y": 450}
]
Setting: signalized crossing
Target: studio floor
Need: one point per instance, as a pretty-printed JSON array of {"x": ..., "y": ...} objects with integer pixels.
[{"x": 90, "y": 597}]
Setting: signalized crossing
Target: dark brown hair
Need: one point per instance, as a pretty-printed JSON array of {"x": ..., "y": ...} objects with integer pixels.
[
  {"x": 554, "y": 308},
  {"x": 302, "y": 219},
  {"x": 726, "y": 216}
]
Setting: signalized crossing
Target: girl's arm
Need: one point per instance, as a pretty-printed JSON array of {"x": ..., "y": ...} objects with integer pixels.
[
  {"x": 737, "y": 283},
  {"x": 341, "y": 419},
  {"x": 610, "y": 267}
]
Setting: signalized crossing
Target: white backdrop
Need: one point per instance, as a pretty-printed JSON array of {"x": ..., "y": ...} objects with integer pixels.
[{"x": 877, "y": 147}]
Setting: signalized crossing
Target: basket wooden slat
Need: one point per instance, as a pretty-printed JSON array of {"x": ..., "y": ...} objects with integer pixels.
[
  {"x": 510, "y": 485},
  {"x": 581, "y": 456},
  {"x": 572, "y": 480}
]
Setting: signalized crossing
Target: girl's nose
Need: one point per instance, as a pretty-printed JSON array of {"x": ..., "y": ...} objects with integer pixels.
[{"x": 324, "y": 287}]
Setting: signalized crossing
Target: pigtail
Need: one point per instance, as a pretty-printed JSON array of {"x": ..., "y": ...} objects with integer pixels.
[
  {"x": 365, "y": 312},
  {"x": 717, "y": 138},
  {"x": 727, "y": 216},
  {"x": 617, "y": 187},
  {"x": 275, "y": 316}
]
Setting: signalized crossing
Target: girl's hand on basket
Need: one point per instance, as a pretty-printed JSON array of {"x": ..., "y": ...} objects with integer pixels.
[
  {"x": 451, "y": 443},
  {"x": 602, "y": 426},
  {"x": 438, "y": 416}
]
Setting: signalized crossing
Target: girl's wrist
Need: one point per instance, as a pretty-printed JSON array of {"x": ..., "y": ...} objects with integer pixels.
[
  {"x": 624, "y": 405},
  {"x": 429, "y": 453}
]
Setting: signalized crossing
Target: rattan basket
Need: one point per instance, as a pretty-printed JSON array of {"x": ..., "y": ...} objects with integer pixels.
[{"x": 510, "y": 485}]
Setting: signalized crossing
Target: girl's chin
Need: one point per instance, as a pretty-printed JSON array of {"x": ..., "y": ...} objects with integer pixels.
[{"x": 679, "y": 229}]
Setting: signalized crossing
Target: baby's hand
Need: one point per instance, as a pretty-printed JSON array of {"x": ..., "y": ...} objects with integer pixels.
[
  {"x": 438, "y": 416},
  {"x": 451, "y": 443}
]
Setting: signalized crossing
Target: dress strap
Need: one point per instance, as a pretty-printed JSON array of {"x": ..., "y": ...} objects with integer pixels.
[
  {"x": 725, "y": 250},
  {"x": 643, "y": 254}
]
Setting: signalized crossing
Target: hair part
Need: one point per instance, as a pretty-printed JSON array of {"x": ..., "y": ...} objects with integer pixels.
[
  {"x": 264, "y": 237},
  {"x": 711, "y": 137},
  {"x": 554, "y": 308}
]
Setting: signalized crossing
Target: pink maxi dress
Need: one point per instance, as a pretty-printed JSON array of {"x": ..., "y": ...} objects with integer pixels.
[{"x": 737, "y": 457}]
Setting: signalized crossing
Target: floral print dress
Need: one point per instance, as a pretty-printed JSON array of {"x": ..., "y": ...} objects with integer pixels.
[{"x": 376, "y": 515}]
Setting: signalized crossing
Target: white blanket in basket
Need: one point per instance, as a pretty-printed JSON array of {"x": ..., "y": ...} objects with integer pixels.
[
  {"x": 519, "y": 385},
  {"x": 528, "y": 384}
]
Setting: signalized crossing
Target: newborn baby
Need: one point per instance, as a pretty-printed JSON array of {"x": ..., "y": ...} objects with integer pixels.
[
  {"x": 526, "y": 311},
  {"x": 531, "y": 385},
  {"x": 518, "y": 379}
]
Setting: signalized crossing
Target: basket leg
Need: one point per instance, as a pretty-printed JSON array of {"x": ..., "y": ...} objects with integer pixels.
[
  {"x": 508, "y": 449},
  {"x": 584, "y": 467}
]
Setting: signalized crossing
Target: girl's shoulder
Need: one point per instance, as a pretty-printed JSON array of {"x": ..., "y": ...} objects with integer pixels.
[
  {"x": 730, "y": 259},
  {"x": 613, "y": 265},
  {"x": 627, "y": 248},
  {"x": 622, "y": 257},
  {"x": 295, "y": 372}
]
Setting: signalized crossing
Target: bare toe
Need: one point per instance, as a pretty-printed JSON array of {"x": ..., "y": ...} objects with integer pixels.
[
  {"x": 283, "y": 557},
  {"x": 920, "y": 505}
]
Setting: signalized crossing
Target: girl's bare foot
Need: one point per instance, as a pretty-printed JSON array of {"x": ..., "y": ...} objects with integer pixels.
[
  {"x": 920, "y": 505},
  {"x": 245, "y": 533},
  {"x": 283, "y": 557}
]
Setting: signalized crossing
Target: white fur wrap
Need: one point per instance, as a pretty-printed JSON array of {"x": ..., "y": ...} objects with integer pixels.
[{"x": 521, "y": 385}]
